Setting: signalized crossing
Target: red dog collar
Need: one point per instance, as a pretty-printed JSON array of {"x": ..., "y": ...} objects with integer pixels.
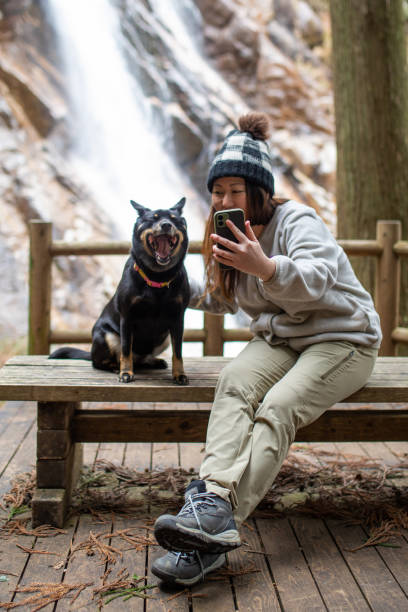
[{"x": 150, "y": 282}]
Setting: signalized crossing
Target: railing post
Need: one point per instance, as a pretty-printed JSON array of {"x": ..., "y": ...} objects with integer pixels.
[
  {"x": 387, "y": 286},
  {"x": 39, "y": 308},
  {"x": 213, "y": 326}
]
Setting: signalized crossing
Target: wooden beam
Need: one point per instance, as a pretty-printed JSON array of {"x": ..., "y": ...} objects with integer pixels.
[
  {"x": 119, "y": 247},
  {"x": 400, "y": 334},
  {"x": 401, "y": 248},
  {"x": 78, "y": 336},
  {"x": 337, "y": 424},
  {"x": 387, "y": 286},
  {"x": 214, "y": 326},
  {"x": 39, "y": 308},
  {"x": 361, "y": 247}
]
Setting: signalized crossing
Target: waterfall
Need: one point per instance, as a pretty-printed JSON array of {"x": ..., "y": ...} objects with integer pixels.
[{"x": 114, "y": 148}]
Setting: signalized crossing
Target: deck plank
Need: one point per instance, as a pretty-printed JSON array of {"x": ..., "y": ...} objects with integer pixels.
[
  {"x": 133, "y": 561},
  {"x": 253, "y": 590},
  {"x": 376, "y": 581},
  {"x": 81, "y": 568},
  {"x": 22, "y": 460},
  {"x": 43, "y": 566},
  {"x": 164, "y": 456},
  {"x": 70, "y": 570},
  {"x": 13, "y": 561},
  {"x": 331, "y": 574},
  {"x": 396, "y": 559},
  {"x": 296, "y": 588},
  {"x": 20, "y": 418},
  {"x": 13, "y": 411}
]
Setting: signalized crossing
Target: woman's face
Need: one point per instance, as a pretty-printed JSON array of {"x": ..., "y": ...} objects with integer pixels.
[{"x": 229, "y": 192}]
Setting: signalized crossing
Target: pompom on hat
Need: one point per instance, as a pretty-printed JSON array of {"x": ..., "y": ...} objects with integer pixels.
[{"x": 245, "y": 153}]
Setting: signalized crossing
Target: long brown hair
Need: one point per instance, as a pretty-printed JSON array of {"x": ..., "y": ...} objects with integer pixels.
[{"x": 260, "y": 207}]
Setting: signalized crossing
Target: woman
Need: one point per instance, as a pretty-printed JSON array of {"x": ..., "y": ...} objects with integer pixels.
[{"x": 316, "y": 339}]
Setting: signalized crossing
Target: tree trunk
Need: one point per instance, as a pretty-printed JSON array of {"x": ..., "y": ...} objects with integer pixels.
[{"x": 371, "y": 110}]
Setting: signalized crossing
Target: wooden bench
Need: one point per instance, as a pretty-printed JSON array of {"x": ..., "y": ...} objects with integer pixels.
[{"x": 60, "y": 386}]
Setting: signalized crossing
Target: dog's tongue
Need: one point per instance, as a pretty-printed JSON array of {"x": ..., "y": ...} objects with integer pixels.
[{"x": 163, "y": 247}]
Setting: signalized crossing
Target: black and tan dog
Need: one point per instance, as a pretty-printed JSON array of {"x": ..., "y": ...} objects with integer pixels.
[{"x": 149, "y": 303}]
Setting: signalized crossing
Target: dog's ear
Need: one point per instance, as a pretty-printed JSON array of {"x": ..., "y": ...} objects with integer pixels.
[
  {"x": 139, "y": 208},
  {"x": 179, "y": 206}
]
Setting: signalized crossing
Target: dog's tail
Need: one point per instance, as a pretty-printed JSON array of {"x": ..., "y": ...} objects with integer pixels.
[{"x": 67, "y": 352}]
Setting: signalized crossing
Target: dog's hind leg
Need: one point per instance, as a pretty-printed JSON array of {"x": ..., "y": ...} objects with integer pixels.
[{"x": 105, "y": 351}]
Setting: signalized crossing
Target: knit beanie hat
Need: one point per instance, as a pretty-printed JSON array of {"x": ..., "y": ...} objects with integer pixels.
[{"x": 246, "y": 153}]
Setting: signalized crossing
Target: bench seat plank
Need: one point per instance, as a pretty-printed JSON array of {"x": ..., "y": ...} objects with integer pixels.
[{"x": 37, "y": 378}]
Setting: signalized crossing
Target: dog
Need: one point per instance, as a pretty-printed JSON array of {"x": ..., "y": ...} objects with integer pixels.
[{"x": 149, "y": 303}]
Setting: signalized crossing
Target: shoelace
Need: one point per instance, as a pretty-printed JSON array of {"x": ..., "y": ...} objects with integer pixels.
[{"x": 197, "y": 500}]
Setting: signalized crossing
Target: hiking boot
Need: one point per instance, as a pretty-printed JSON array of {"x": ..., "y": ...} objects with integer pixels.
[
  {"x": 205, "y": 524},
  {"x": 186, "y": 568}
]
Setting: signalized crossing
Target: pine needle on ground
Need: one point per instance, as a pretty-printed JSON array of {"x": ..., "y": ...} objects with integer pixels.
[{"x": 45, "y": 593}]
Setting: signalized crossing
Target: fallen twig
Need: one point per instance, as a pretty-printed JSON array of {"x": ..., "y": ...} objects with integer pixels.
[
  {"x": 31, "y": 551},
  {"x": 107, "y": 554},
  {"x": 46, "y": 593}
]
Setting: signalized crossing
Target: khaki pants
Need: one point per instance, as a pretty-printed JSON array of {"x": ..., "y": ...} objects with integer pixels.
[{"x": 262, "y": 397}]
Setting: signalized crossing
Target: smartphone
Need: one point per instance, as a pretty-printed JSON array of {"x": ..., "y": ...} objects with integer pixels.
[{"x": 236, "y": 215}]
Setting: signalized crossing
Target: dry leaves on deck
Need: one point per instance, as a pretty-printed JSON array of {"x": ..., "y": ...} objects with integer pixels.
[
  {"x": 18, "y": 499},
  {"x": 18, "y": 527},
  {"x": 45, "y": 593},
  {"x": 355, "y": 489},
  {"x": 95, "y": 544}
]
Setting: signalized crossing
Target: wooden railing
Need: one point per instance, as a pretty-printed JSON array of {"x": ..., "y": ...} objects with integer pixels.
[{"x": 387, "y": 248}]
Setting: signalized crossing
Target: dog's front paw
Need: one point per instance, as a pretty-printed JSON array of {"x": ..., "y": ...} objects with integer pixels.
[
  {"x": 126, "y": 377},
  {"x": 180, "y": 379}
]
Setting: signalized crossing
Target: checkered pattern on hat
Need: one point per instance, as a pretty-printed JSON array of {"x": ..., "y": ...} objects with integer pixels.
[{"x": 245, "y": 156}]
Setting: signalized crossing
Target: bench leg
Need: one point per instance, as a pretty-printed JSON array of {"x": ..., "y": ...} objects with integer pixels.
[{"x": 59, "y": 462}]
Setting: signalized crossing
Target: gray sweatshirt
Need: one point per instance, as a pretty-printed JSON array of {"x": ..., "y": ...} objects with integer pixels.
[{"x": 314, "y": 295}]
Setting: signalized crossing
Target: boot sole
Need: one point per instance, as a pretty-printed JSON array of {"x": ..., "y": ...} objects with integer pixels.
[{"x": 173, "y": 536}]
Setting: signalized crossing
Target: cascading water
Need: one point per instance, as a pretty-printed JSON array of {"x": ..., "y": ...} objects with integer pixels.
[{"x": 114, "y": 148}]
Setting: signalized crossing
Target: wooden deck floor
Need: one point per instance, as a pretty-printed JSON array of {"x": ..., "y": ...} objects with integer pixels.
[{"x": 305, "y": 564}]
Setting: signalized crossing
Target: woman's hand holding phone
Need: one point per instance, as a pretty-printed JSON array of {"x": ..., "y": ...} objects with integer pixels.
[{"x": 245, "y": 254}]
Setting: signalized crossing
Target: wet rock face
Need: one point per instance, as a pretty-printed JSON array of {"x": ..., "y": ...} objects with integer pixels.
[
  {"x": 267, "y": 52},
  {"x": 231, "y": 41},
  {"x": 260, "y": 55}
]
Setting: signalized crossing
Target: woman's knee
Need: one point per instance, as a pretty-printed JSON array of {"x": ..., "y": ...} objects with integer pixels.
[{"x": 281, "y": 410}]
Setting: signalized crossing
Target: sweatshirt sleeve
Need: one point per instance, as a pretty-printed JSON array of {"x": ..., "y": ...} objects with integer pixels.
[
  {"x": 211, "y": 302},
  {"x": 309, "y": 265}
]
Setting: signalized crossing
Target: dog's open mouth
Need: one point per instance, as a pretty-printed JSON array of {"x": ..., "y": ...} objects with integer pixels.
[{"x": 163, "y": 246}]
